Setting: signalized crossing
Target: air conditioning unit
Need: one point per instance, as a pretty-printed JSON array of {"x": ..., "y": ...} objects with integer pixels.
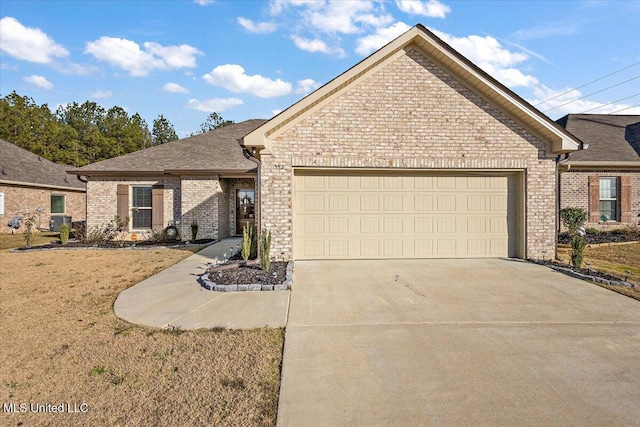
[{"x": 58, "y": 220}]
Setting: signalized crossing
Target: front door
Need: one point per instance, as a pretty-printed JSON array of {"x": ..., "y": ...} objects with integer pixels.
[{"x": 245, "y": 209}]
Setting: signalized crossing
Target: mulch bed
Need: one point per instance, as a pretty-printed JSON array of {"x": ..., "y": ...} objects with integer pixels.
[
  {"x": 615, "y": 236},
  {"x": 250, "y": 275},
  {"x": 112, "y": 244}
]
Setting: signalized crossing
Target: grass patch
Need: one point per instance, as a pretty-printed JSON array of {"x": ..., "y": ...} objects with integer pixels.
[
  {"x": 620, "y": 260},
  {"x": 12, "y": 241},
  {"x": 62, "y": 342}
]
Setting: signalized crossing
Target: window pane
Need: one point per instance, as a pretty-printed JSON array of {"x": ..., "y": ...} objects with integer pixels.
[
  {"x": 141, "y": 197},
  {"x": 57, "y": 204},
  {"x": 608, "y": 211},
  {"x": 608, "y": 188},
  {"x": 141, "y": 218}
]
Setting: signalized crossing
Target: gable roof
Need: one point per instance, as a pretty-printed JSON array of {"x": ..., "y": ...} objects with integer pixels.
[
  {"x": 216, "y": 151},
  {"x": 22, "y": 167},
  {"x": 612, "y": 139},
  {"x": 559, "y": 139}
]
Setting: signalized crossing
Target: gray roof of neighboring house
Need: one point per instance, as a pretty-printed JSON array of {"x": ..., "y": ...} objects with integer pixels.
[
  {"x": 611, "y": 138},
  {"x": 20, "y": 166},
  {"x": 216, "y": 150}
]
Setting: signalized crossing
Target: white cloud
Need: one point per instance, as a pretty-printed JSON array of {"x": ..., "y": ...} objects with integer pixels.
[
  {"x": 128, "y": 55},
  {"x": 232, "y": 77},
  {"x": 382, "y": 36},
  {"x": 306, "y": 86},
  {"x": 316, "y": 45},
  {"x": 339, "y": 16},
  {"x": 29, "y": 44},
  {"x": 214, "y": 104},
  {"x": 430, "y": 8},
  {"x": 175, "y": 88},
  {"x": 204, "y": 2},
  {"x": 487, "y": 53},
  {"x": 257, "y": 27},
  {"x": 99, "y": 94},
  {"x": 549, "y": 29},
  {"x": 565, "y": 101},
  {"x": 275, "y": 112},
  {"x": 39, "y": 81}
]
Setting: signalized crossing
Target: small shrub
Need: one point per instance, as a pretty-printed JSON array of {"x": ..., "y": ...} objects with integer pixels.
[
  {"x": 573, "y": 218},
  {"x": 29, "y": 230},
  {"x": 265, "y": 250},
  {"x": 592, "y": 231},
  {"x": 194, "y": 230},
  {"x": 64, "y": 234},
  {"x": 577, "y": 250},
  {"x": 80, "y": 230},
  {"x": 248, "y": 237}
]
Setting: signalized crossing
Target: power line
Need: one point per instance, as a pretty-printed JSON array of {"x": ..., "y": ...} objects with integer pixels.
[
  {"x": 592, "y": 93},
  {"x": 623, "y": 109},
  {"x": 587, "y": 84},
  {"x": 604, "y": 105}
]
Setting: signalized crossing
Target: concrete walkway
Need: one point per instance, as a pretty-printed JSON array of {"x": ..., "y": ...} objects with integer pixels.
[
  {"x": 457, "y": 342},
  {"x": 173, "y": 297}
]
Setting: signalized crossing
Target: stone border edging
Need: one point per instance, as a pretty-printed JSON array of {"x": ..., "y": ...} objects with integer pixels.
[
  {"x": 209, "y": 285},
  {"x": 596, "y": 279},
  {"x": 98, "y": 248}
]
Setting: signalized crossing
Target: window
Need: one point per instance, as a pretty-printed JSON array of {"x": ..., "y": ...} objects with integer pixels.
[
  {"x": 141, "y": 207},
  {"x": 57, "y": 204},
  {"x": 609, "y": 200}
]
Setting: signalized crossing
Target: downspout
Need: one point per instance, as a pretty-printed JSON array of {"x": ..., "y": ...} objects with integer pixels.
[
  {"x": 559, "y": 163},
  {"x": 249, "y": 156}
]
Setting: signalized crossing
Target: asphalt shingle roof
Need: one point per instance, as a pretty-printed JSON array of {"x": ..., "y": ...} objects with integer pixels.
[
  {"x": 218, "y": 149},
  {"x": 20, "y": 166},
  {"x": 611, "y": 138}
]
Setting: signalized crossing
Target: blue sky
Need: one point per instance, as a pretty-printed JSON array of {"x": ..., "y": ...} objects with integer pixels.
[{"x": 252, "y": 59}]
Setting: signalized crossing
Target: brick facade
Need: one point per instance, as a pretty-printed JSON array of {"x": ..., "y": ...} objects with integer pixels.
[
  {"x": 574, "y": 193},
  {"x": 20, "y": 200},
  {"x": 208, "y": 200},
  {"x": 408, "y": 114}
]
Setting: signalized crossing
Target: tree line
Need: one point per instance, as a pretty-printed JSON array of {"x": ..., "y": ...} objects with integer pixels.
[{"x": 79, "y": 134}]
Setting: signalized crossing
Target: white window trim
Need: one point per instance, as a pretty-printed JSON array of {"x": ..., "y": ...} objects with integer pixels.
[
  {"x": 150, "y": 208},
  {"x": 615, "y": 199}
]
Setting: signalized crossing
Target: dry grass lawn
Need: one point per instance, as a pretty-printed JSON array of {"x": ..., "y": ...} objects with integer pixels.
[
  {"x": 9, "y": 241},
  {"x": 614, "y": 259},
  {"x": 60, "y": 342}
]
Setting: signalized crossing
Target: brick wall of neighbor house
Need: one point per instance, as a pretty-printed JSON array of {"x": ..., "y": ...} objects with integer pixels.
[
  {"x": 102, "y": 200},
  {"x": 409, "y": 114},
  {"x": 200, "y": 200},
  {"x": 575, "y": 192},
  {"x": 236, "y": 184},
  {"x": 18, "y": 200}
]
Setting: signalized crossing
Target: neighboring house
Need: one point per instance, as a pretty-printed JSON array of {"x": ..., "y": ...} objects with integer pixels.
[
  {"x": 31, "y": 185},
  {"x": 412, "y": 153},
  {"x": 204, "y": 178},
  {"x": 604, "y": 180}
]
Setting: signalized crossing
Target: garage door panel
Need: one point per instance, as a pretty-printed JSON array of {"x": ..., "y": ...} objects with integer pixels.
[{"x": 395, "y": 215}]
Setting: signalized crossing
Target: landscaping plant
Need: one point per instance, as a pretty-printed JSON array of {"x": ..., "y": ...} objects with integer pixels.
[
  {"x": 194, "y": 230},
  {"x": 248, "y": 237},
  {"x": 265, "y": 250},
  {"x": 64, "y": 234},
  {"x": 574, "y": 219},
  {"x": 29, "y": 230}
]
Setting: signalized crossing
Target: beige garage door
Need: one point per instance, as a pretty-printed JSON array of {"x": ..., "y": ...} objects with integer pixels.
[{"x": 369, "y": 215}]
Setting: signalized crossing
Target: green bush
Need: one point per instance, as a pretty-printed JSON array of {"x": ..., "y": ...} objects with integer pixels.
[
  {"x": 265, "y": 250},
  {"x": 577, "y": 250},
  {"x": 64, "y": 234},
  {"x": 248, "y": 232},
  {"x": 573, "y": 218},
  {"x": 194, "y": 230},
  {"x": 592, "y": 231}
]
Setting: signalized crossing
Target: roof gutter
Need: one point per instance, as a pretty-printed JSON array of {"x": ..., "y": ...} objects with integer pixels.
[
  {"x": 604, "y": 164},
  {"x": 33, "y": 184}
]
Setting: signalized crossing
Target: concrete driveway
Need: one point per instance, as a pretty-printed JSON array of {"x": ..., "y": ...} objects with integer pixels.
[{"x": 457, "y": 342}]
